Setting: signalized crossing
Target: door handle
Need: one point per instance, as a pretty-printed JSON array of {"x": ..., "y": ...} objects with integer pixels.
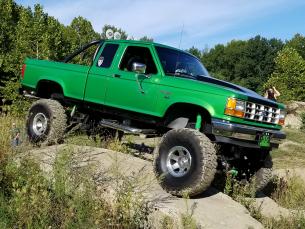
[{"x": 116, "y": 75}]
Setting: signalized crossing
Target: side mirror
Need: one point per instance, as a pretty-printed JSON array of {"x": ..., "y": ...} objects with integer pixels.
[{"x": 138, "y": 68}]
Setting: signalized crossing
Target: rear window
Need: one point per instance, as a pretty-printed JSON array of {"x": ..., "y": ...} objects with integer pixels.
[{"x": 107, "y": 55}]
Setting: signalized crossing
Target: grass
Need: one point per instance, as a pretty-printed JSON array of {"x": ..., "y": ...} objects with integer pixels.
[
  {"x": 295, "y": 222},
  {"x": 290, "y": 192},
  {"x": 69, "y": 196},
  {"x": 72, "y": 196},
  {"x": 291, "y": 153}
]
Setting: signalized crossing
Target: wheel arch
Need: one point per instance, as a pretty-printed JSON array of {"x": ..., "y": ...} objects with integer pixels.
[
  {"x": 45, "y": 88},
  {"x": 179, "y": 110}
]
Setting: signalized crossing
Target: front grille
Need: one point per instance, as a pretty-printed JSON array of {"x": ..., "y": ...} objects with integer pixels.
[{"x": 261, "y": 113}]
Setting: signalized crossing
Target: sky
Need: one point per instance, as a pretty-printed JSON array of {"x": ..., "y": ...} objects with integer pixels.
[{"x": 182, "y": 23}]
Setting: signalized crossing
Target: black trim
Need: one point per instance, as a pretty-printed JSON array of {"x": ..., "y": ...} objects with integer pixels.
[
  {"x": 70, "y": 57},
  {"x": 243, "y": 143},
  {"x": 224, "y": 133}
]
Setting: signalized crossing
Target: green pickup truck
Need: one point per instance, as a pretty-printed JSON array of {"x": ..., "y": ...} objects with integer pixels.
[{"x": 149, "y": 89}]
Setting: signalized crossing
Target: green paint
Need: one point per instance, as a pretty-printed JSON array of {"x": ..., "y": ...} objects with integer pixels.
[
  {"x": 233, "y": 172},
  {"x": 198, "y": 122}
]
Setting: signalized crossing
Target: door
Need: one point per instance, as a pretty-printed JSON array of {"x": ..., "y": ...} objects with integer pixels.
[
  {"x": 100, "y": 70},
  {"x": 129, "y": 90}
]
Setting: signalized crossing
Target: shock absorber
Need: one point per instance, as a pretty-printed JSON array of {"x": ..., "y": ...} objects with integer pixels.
[{"x": 198, "y": 122}]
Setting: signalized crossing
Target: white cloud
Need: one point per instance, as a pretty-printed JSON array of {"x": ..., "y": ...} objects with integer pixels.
[{"x": 164, "y": 19}]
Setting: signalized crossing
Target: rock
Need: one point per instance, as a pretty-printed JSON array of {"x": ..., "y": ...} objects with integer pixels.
[
  {"x": 294, "y": 111},
  {"x": 293, "y": 121},
  {"x": 212, "y": 209},
  {"x": 300, "y": 172},
  {"x": 270, "y": 209}
]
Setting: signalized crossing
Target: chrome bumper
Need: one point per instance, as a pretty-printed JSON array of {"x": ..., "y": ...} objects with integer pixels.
[{"x": 248, "y": 136}]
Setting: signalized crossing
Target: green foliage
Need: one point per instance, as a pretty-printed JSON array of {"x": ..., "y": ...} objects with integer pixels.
[
  {"x": 9, "y": 92},
  {"x": 196, "y": 52},
  {"x": 67, "y": 197},
  {"x": 187, "y": 219},
  {"x": 297, "y": 43},
  {"x": 248, "y": 63},
  {"x": 289, "y": 75},
  {"x": 146, "y": 38},
  {"x": 293, "y": 222}
]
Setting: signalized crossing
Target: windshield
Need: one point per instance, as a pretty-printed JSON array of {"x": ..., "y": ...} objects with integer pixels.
[{"x": 179, "y": 63}]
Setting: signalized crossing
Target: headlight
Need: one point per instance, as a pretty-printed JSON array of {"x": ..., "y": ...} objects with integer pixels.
[
  {"x": 235, "y": 107},
  {"x": 282, "y": 117}
]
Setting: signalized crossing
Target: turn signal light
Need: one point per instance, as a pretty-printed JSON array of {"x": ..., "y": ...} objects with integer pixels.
[
  {"x": 235, "y": 107},
  {"x": 282, "y": 117}
]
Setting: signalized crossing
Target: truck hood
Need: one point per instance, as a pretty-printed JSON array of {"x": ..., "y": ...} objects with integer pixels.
[{"x": 252, "y": 96}]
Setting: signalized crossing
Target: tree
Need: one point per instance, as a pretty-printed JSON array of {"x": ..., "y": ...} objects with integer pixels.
[
  {"x": 55, "y": 45},
  {"x": 81, "y": 32},
  {"x": 247, "y": 63},
  {"x": 24, "y": 44},
  {"x": 8, "y": 20},
  {"x": 195, "y": 51},
  {"x": 289, "y": 75},
  {"x": 146, "y": 38},
  {"x": 298, "y": 43}
]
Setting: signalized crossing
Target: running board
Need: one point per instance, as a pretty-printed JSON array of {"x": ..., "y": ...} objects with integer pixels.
[{"x": 126, "y": 129}]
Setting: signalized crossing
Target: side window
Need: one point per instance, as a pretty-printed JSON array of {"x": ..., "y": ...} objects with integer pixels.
[
  {"x": 107, "y": 55},
  {"x": 138, "y": 54}
]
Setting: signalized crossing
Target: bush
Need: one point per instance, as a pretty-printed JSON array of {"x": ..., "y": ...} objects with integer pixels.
[
  {"x": 68, "y": 197},
  {"x": 13, "y": 103}
]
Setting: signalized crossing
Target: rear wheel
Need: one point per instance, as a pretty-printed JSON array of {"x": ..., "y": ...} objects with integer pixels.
[
  {"x": 264, "y": 174},
  {"x": 185, "y": 161},
  {"x": 251, "y": 164},
  {"x": 46, "y": 122}
]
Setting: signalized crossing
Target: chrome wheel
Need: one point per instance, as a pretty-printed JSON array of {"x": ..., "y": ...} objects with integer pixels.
[
  {"x": 179, "y": 161},
  {"x": 40, "y": 123}
]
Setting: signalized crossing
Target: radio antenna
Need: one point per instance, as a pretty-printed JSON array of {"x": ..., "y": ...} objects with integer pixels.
[{"x": 181, "y": 35}]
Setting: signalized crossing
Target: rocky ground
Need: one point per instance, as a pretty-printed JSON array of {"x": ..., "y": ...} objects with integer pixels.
[{"x": 213, "y": 209}]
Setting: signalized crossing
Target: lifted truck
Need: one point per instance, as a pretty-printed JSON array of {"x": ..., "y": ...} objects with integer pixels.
[{"x": 135, "y": 87}]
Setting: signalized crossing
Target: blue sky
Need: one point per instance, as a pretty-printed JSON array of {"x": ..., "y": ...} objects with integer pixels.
[{"x": 204, "y": 23}]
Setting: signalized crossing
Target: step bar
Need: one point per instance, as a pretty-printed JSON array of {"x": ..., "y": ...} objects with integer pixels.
[{"x": 126, "y": 129}]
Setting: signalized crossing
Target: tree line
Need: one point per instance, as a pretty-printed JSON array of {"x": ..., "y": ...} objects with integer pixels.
[
  {"x": 260, "y": 63},
  {"x": 256, "y": 63},
  {"x": 26, "y": 32}
]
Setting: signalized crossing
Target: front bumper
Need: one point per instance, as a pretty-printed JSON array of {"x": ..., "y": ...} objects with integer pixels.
[{"x": 243, "y": 135}]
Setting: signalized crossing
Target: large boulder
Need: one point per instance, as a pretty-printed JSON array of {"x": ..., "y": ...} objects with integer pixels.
[{"x": 294, "y": 112}]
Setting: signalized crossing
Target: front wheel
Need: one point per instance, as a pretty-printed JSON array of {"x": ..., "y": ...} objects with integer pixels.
[
  {"x": 185, "y": 161},
  {"x": 46, "y": 122}
]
